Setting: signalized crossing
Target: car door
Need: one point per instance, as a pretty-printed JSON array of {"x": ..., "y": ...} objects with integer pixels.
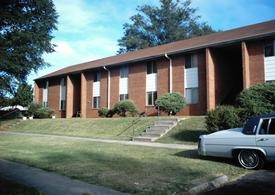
[{"x": 265, "y": 137}]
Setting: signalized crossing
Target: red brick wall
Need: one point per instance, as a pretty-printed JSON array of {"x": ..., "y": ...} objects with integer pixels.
[
  {"x": 90, "y": 112},
  {"x": 178, "y": 65},
  {"x": 256, "y": 62},
  {"x": 137, "y": 84},
  {"x": 115, "y": 75}
]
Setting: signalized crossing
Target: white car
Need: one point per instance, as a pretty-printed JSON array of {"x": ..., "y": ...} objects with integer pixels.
[{"x": 251, "y": 146}]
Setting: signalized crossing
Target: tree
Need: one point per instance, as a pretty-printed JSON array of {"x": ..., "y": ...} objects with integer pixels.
[
  {"x": 25, "y": 34},
  {"x": 171, "y": 103},
  {"x": 24, "y": 95},
  {"x": 151, "y": 26}
]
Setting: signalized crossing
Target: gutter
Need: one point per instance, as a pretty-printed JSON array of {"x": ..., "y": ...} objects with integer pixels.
[
  {"x": 108, "y": 87},
  {"x": 170, "y": 73}
]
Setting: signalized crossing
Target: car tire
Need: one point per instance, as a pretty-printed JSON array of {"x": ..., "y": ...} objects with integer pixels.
[{"x": 250, "y": 159}]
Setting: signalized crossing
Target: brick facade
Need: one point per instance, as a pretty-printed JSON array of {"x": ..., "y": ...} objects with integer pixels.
[{"x": 223, "y": 71}]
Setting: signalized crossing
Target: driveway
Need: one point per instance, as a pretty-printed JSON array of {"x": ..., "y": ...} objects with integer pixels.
[{"x": 256, "y": 182}]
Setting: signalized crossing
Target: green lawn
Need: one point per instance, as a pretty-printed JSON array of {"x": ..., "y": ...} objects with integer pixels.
[
  {"x": 111, "y": 128},
  {"x": 137, "y": 170},
  {"x": 186, "y": 132}
]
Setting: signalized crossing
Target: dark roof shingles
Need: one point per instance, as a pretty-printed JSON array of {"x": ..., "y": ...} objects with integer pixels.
[{"x": 238, "y": 34}]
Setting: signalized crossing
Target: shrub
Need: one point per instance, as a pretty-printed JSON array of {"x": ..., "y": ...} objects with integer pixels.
[
  {"x": 38, "y": 111},
  {"x": 171, "y": 103},
  {"x": 223, "y": 117},
  {"x": 122, "y": 108},
  {"x": 105, "y": 112},
  {"x": 258, "y": 99}
]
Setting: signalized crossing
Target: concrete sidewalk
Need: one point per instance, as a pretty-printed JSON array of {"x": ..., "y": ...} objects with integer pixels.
[
  {"x": 147, "y": 144},
  {"x": 48, "y": 182}
]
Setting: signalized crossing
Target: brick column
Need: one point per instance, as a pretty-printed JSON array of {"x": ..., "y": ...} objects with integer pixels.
[
  {"x": 210, "y": 81},
  {"x": 36, "y": 93},
  {"x": 83, "y": 101},
  {"x": 69, "y": 98},
  {"x": 245, "y": 65}
]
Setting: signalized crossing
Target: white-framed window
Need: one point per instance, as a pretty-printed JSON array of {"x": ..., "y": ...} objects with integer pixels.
[
  {"x": 45, "y": 94},
  {"x": 269, "y": 49},
  {"x": 151, "y": 67},
  {"x": 96, "y": 102},
  {"x": 192, "y": 95},
  {"x": 191, "y": 61},
  {"x": 123, "y": 97},
  {"x": 62, "y": 104},
  {"x": 96, "y": 90},
  {"x": 97, "y": 76},
  {"x": 151, "y": 97},
  {"x": 124, "y": 72},
  {"x": 123, "y": 83},
  {"x": 269, "y": 61}
]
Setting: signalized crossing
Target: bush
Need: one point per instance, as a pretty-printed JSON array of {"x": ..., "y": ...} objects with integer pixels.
[
  {"x": 38, "y": 111},
  {"x": 257, "y": 100},
  {"x": 223, "y": 117},
  {"x": 105, "y": 112},
  {"x": 171, "y": 103},
  {"x": 122, "y": 108}
]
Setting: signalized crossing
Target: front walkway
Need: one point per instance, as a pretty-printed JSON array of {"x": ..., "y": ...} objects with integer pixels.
[
  {"x": 48, "y": 182},
  {"x": 148, "y": 144}
]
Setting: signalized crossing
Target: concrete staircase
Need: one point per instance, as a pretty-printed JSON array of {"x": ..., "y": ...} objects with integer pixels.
[{"x": 160, "y": 128}]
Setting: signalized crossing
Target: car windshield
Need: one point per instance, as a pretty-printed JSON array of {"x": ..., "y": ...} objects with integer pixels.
[{"x": 251, "y": 126}]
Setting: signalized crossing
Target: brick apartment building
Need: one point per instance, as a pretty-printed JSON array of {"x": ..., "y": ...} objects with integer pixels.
[{"x": 208, "y": 70}]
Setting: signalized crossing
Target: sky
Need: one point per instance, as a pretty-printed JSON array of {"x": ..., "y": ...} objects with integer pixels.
[{"x": 89, "y": 29}]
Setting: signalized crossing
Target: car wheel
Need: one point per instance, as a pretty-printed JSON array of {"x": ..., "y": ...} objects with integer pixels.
[{"x": 250, "y": 159}]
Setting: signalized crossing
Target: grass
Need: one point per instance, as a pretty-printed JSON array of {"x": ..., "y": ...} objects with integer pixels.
[
  {"x": 11, "y": 188},
  {"x": 114, "y": 128},
  {"x": 186, "y": 132},
  {"x": 132, "y": 169}
]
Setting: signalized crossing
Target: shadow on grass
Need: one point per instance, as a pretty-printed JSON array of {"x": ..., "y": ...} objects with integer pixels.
[
  {"x": 188, "y": 135},
  {"x": 105, "y": 169},
  {"x": 193, "y": 154}
]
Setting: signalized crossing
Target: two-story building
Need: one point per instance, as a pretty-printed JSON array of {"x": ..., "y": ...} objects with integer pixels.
[{"x": 208, "y": 71}]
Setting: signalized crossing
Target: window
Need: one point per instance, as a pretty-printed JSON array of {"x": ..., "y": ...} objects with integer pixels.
[
  {"x": 62, "y": 105},
  {"x": 96, "y": 76},
  {"x": 96, "y": 102},
  {"x": 192, "y": 95},
  {"x": 264, "y": 127},
  {"x": 123, "y": 97},
  {"x": 271, "y": 129},
  {"x": 151, "y": 67},
  {"x": 269, "y": 49},
  {"x": 151, "y": 98},
  {"x": 267, "y": 127},
  {"x": 45, "y": 94},
  {"x": 191, "y": 61},
  {"x": 124, "y": 71}
]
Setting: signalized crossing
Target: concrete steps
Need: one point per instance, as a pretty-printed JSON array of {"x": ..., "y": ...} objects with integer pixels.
[{"x": 160, "y": 128}]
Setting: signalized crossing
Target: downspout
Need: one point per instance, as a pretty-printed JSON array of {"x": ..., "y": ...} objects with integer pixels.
[
  {"x": 108, "y": 87},
  {"x": 170, "y": 73}
]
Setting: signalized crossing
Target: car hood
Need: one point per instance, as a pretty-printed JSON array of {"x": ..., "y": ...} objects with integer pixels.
[{"x": 226, "y": 133}]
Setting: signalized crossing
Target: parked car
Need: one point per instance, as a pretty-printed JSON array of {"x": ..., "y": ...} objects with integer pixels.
[{"x": 251, "y": 146}]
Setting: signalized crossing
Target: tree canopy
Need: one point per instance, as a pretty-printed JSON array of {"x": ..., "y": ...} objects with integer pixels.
[
  {"x": 25, "y": 34},
  {"x": 173, "y": 20}
]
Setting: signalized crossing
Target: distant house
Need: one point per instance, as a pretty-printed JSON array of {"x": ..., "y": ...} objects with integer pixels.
[{"x": 208, "y": 70}]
